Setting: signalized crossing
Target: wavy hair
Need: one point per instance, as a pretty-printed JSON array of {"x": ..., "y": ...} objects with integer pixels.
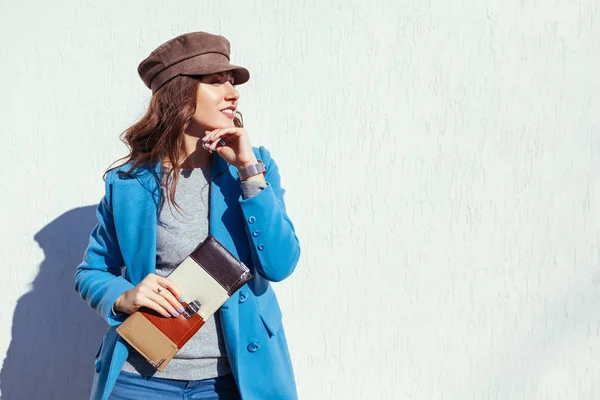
[{"x": 159, "y": 132}]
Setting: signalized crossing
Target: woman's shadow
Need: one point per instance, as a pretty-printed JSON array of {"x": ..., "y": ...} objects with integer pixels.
[{"x": 55, "y": 334}]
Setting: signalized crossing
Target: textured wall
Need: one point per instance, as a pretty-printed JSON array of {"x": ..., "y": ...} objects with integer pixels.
[{"x": 441, "y": 163}]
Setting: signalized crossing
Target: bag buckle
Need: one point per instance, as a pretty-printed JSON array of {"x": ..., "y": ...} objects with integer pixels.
[{"x": 191, "y": 309}]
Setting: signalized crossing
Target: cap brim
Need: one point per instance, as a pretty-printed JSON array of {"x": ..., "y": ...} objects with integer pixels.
[{"x": 240, "y": 74}]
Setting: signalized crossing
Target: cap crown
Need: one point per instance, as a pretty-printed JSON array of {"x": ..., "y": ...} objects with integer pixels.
[{"x": 177, "y": 50}]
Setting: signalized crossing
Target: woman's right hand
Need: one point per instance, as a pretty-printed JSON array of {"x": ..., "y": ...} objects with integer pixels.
[{"x": 155, "y": 292}]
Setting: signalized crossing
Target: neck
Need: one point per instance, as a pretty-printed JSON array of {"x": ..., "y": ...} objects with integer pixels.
[{"x": 193, "y": 154}]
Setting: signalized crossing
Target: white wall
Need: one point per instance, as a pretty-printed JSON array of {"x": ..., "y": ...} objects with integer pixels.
[{"x": 441, "y": 163}]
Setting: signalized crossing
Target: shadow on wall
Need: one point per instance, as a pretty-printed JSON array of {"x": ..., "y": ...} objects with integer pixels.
[{"x": 55, "y": 334}]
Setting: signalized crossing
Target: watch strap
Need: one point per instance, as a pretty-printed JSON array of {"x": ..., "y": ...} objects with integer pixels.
[{"x": 251, "y": 170}]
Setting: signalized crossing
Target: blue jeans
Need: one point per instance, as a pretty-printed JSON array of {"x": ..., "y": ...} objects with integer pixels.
[{"x": 131, "y": 386}]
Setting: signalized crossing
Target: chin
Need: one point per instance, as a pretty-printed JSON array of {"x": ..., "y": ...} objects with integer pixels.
[
  {"x": 225, "y": 125},
  {"x": 221, "y": 123},
  {"x": 221, "y": 126}
]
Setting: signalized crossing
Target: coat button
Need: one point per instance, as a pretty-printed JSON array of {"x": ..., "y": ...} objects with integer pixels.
[
  {"x": 261, "y": 246},
  {"x": 97, "y": 365},
  {"x": 255, "y": 233},
  {"x": 251, "y": 219},
  {"x": 252, "y": 347},
  {"x": 243, "y": 297}
]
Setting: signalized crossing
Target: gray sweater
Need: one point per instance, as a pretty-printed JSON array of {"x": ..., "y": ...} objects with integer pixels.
[{"x": 177, "y": 235}]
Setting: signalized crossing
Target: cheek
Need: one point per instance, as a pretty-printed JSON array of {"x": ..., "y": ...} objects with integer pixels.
[{"x": 205, "y": 110}]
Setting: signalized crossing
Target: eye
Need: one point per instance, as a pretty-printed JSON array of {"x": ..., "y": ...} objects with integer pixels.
[{"x": 220, "y": 80}]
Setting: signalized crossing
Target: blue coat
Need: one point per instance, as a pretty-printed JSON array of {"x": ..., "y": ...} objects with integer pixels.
[{"x": 256, "y": 230}]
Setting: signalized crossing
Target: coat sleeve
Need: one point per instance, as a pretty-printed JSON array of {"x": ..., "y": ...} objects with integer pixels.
[
  {"x": 274, "y": 245},
  {"x": 98, "y": 278}
]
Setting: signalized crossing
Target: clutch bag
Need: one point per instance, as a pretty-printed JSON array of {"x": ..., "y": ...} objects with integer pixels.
[{"x": 207, "y": 277}]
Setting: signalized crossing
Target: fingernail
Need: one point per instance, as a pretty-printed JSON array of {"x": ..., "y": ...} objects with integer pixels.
[
  {"x": 206, "y": 144},
  {"x": 181, "y": 299},
  {"x": 176, "y": 314},
  {"x": 181, "y": 309}
]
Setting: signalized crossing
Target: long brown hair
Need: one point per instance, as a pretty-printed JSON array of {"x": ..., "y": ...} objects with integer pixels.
[{"x": 159, "y": 133}]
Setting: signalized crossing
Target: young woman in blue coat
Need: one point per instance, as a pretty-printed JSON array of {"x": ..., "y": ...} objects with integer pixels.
[{"x": 157, "y": 209}]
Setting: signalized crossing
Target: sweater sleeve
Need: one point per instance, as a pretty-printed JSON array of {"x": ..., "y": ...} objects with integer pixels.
[{"x": 251, "y": 188}]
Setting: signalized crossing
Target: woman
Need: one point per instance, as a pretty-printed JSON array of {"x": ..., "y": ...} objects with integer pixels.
[{"x": 156, "y": 211}]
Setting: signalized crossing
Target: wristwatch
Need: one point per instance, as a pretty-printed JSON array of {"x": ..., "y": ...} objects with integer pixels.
[{"x": 251, "y": 170}]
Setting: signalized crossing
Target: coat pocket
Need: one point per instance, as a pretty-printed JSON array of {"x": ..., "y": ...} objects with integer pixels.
[
  {"x": 269, "y": 311},
  {"x": 97, "y": 361},
  {"x": 99, "y": 349}
]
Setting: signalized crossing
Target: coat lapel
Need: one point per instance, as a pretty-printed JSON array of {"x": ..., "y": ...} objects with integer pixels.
[
  {"x": 226, "y": 217},
  {"x": 135, "y": 211}
]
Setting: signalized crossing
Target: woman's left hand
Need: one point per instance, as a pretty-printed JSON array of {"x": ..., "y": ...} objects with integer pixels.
[{"x": 237, "y": 149}]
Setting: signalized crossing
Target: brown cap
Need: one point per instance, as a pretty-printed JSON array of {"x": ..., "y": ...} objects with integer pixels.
[{"x": 194, "y": 53}]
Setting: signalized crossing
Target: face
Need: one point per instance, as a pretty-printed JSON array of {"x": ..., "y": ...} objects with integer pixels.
[{"x": 216, "y": 101}]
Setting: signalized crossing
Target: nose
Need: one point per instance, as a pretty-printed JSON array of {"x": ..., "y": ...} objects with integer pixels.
[{"x": 230, "y": 92}]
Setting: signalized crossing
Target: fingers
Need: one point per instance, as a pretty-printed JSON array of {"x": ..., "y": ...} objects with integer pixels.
[
  {"x": 166, "y": 306},
  {"x": 220, "y": 140},
  {"x": 144, "y": 298},
  {"x": 212, "y": 134},
  {"x": 159, "y": 294},
  {"x": 172, "y": 287},
  {"x": 212, "y": 139},
  {"x": 174, "y": 306}
]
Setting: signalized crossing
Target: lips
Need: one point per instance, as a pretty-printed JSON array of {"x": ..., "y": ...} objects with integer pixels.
[{"x": 229, "y": 112}]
